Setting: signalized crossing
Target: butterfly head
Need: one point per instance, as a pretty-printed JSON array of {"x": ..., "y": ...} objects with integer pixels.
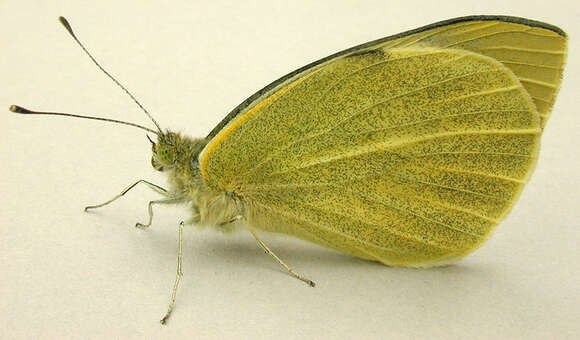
[
  {"x": 173, "y": 150},
  {"x": 165, "y": 151}
]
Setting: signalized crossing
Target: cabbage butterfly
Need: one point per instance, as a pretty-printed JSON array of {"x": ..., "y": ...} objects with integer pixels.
[{"x": 407, "y": 150}]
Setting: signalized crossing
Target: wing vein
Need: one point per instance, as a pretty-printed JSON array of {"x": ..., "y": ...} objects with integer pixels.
[
  {"x": 386, "y": 145},
  {"x": 326, "y": 228},
  {"x": 532, "y": 65},
  {"x": 339, "y": 81},
  {"x": 414, "y": 213},
  {"x": 503, "y": 178},
  {"x": 294, "y": 185},
  {"x": 430, "y": 120},
  {"x": 537, "y": 82},
  {"x": 248, "y": 186},
  {"x": 485, "y": 36},
  {"x": 446, "y": 206},
  {"x": 388, "y": 99},
  {"x": 451, "y": 188},
  {"x": 384, "y": 228},
  {"x": 520, "y": 49},
  {"x": 331, "y": 127},
  {"x": 436, "y": 32},
  {"x": 549, "y": 101}
]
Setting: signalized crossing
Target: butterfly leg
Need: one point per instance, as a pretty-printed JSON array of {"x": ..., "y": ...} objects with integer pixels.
[
  {"x": 234, "y": 219},
  {"x": 171, "y": 200},
  {"x": 177, "y": 276},
  {"x": 149, "y": 184},
  {"x": 269, "y": 252}
]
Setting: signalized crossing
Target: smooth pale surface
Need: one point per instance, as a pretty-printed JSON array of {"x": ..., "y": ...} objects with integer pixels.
[{"x": 68, "y": 274}]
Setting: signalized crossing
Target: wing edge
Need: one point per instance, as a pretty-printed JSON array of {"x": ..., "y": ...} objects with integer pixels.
[{"x": 246, "y": 103}]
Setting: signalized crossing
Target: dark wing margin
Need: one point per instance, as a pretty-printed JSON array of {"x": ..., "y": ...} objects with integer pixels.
[{"x": 516, "y": 20}]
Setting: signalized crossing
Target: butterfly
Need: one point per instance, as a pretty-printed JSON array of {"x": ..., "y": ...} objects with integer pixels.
[{"x": 407, "y": 150}]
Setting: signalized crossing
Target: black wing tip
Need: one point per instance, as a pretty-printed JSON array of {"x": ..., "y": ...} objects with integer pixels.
[{"x": 504, "y": 18}]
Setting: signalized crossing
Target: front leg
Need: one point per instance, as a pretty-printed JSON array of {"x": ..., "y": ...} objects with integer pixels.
[
  {"x": 155, "y": 187},
  {"x": 172, "y": 200}
]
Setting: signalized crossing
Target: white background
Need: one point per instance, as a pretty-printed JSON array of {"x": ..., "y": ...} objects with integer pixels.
[{"x": 68, "y": 274}]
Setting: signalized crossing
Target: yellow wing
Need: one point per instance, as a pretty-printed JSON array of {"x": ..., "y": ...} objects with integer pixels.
[
  {"x": 407, "y": 156},
  {"x": 536, "y": 55},
  {"x": 533, "y": 50}
]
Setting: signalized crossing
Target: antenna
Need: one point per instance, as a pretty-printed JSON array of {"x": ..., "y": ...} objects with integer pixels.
[
  {"x": 68, "y": 27},
  {"x": 21, "y": 110}
]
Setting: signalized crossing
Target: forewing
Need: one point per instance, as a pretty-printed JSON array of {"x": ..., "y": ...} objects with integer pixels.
[
  {"x": 405, "y": 156},
  {"x": 534, "y": 51}
]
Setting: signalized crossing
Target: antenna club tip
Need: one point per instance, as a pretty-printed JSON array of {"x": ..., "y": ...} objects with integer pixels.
[
  {"x": 66, "y": 24},
  {"x": 18, "y": 109},
  {"x": 14, "y": 108}
]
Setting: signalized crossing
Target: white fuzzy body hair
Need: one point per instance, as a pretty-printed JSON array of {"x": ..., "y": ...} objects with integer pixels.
[{"x": 208, "y": 208}]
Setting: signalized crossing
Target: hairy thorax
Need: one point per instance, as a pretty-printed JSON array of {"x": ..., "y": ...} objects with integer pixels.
[{"x": 208, "y": 208}]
